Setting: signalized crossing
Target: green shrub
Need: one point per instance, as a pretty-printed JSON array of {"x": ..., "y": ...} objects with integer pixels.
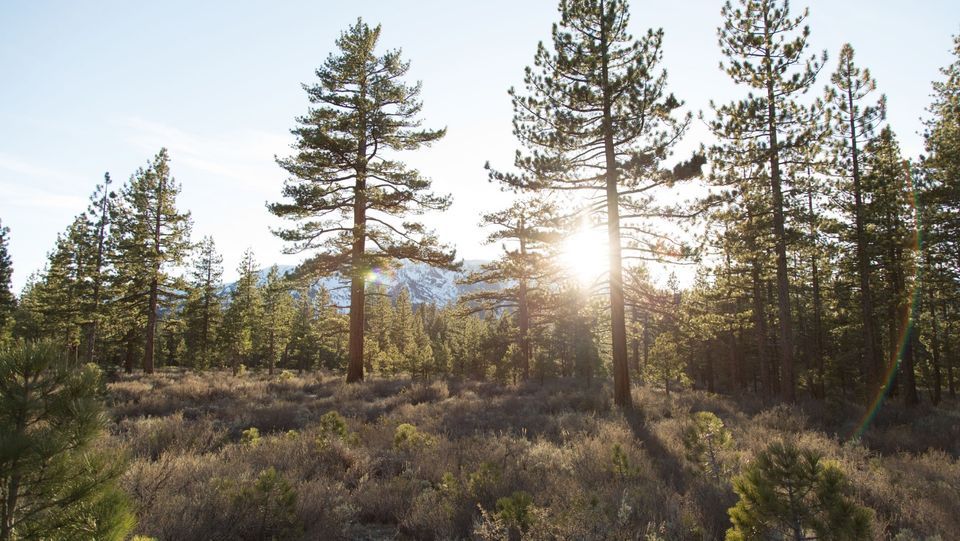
[
  {"x": 704, "y": 438},
  {"x": 408, "y": 437},
  {"x": 515, "y": 511},
  {"x": 332, "y": 427},
  {"x": 621, "y": 463},
  {"x": 790, "y": 493},
  {"x": 268, "y": 506},
  {"x": 251, "y": 436}
]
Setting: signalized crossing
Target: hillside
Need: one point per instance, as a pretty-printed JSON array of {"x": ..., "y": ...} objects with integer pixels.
[{"x": 425, "y": 284}]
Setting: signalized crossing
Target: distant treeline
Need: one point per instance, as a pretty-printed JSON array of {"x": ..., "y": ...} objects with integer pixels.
[{"x": 828, "y": 262}]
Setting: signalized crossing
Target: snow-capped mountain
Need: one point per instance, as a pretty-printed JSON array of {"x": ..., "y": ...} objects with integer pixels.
[{"x": 426, "y": 284}]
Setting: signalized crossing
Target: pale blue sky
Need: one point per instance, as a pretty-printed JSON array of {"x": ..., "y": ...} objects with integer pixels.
[{"x": 89, "y": 87}]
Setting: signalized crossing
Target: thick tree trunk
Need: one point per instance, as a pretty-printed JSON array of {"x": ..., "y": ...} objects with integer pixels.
[
  {"x": 785, "y": 338},
  {"x": 358, "y": 263},
  {"x": 935, "y": 344},
  {"x": 621, "y": 372},
  {"x": 949, "y": 361},
  {"x": 128, "y": 355}
]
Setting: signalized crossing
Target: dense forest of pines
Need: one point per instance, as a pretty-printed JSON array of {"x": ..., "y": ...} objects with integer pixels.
[{"x": 828, "y": 263}]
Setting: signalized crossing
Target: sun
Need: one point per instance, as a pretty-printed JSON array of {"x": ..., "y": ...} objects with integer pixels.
[{"x": 585, "y": 254}]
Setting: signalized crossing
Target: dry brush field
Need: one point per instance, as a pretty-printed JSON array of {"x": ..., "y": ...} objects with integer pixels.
[{"x": 212, "y": 456}]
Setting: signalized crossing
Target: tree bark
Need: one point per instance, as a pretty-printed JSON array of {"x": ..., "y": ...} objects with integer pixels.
[
  {"x": 358, "y": 259},
  {"x": 523, "y": 309},
  {"x": 872, "y": 363},
  {"x": 787, "y": 383},
  {"x": 621, "y": 372}
]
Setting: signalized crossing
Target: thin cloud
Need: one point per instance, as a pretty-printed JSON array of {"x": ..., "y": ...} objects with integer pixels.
[{"x": 245, "y": 156}]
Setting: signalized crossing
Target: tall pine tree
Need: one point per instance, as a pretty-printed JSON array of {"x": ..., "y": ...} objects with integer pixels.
[
  {"x": 347, "y": 194},
  {"x": 597, "y": 118},
  {"x": 853, "y": 124},
  {"x": 765, "y": 50},
  {"x": 152, "y": 236}
]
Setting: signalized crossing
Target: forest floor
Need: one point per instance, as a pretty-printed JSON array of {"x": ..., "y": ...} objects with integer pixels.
[{"x": 444, "y": 459}]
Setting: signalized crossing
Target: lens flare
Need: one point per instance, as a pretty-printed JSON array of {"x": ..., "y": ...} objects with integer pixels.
[{"x": 906, "y": 326}]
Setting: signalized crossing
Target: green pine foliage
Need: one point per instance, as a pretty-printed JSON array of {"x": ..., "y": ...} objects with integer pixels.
[
  {"x": 275, "y": 322},
  {"x": 793, "y": 493},
  {"x": 596, "y": 116},
  {"x": 243, "y": 315},
  {"x": 150, "y": 236},
  {"x": 345, "y": 171},
  {"x": 203, "y": 308},
  {"x": 8, "y": 302},
  {"x": 56, "y": 484}
]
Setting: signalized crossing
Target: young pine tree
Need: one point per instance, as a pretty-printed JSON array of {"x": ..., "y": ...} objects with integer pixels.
[
  {"x": 243, "y": 314},
  {"x": 892, "y": 226},
  {"x": 347, "y": 193},
  {"x": 53, "y": 483},
  {"x": 277, "y": 314},
  {"x": 521, "y": 273},
  {"x": 597, "y": 118},
  {"x": 204, "y": 307},
  {"x": 99, "y": 214},
  {"x": 792, "y": 493}
]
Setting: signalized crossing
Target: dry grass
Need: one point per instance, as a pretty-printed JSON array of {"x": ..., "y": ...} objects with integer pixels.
[{"x": 195, "y": 475}]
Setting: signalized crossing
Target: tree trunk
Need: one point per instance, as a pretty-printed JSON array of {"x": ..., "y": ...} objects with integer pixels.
[
  {"x": 151, "y": 328},
  {"x": 358, "y": 259},
  {"x": 873, "y": 366},
  {"x": 621, "y": 372},
  {"x": 817, "y": 308},
  {"x": 523, "y": 309},
  {"x": 128, "y": 356},
  {"x": 787, "y": 383},
  {"x": 935, "y": 340},
  {"x": 760, "y": 321}
]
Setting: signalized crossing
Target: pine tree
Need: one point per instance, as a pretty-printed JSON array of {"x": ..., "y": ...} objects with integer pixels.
[
  {"x": 99, "y": 214},
  {"x": 939, "y": 199},
  {"x": 55, "y": 484},
  {"x": 204, "y": 306},
  {"x": 893, "y": 224},
  {"x": 853, "y": 124},
  {"x": 597, "y": 117},
  {"x": 362, "y": 111},
  {"x": 304, "y": 345},
  {"x": 765, "y": 49},
  {"x": 242, "y": 315},
  {"x": 792, "y": 493},
  {"x": 274, "y": 324},
  {"x": 520, "y": 276},
  {"x": 152, "y": 236},
  {"x": 402, "y": 333},
  {"x": 8, "y": 301}
]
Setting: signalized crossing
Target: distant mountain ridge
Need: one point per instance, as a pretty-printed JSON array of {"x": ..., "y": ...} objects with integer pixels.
[{"x": 426, "y": 284}]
